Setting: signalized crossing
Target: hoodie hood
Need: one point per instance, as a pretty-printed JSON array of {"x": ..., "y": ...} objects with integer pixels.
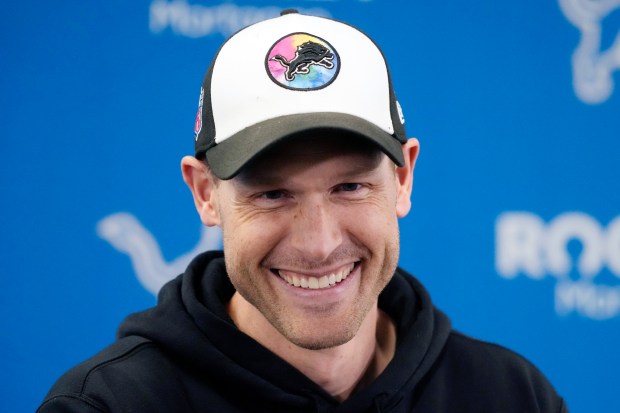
[{"x": 190, "y": 324}]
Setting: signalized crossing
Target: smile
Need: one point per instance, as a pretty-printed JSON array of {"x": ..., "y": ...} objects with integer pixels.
[{"x": 316, "y": 283}]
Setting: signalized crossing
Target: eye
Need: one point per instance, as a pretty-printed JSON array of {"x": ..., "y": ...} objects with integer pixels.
[
  {"x": 273, "y": 195},
  {"x": 348, "y": 187},
  {"x": 273, "y": 198}
]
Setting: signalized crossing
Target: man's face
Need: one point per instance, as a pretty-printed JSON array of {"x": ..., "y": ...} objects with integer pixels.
[{"x": 311, "y": 236}]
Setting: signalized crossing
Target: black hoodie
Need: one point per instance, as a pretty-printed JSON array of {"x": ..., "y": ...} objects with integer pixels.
[{"x": 186, "y": 355}]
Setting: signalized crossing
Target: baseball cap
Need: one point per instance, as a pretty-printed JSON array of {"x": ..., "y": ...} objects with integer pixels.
[{"x": 289, "y": 75}]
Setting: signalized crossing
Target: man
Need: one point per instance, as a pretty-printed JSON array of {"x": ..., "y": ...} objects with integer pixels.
[{"x": 302, "y": 160}]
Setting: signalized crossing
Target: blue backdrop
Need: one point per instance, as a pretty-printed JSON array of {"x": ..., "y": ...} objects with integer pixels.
[{"x": 515, "y": 226}]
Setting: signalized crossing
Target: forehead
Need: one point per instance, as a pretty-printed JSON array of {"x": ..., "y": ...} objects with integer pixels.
[{"x": 313, "y": 150}]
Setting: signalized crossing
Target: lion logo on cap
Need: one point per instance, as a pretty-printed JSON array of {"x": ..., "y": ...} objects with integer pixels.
[
  {"x": 307, "y": 54},
  {"x": 303, "y": 62}
]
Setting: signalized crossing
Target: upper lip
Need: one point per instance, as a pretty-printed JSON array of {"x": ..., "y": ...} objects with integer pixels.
[{"x": 315, "y": 273}]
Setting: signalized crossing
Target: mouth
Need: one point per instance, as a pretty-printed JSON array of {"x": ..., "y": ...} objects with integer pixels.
[{"x": 315, "y": 282}]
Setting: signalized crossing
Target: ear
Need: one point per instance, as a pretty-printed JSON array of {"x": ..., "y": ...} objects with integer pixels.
[
  {"x": 404, "y": 175},
  {"x": 203, "y": 185}
]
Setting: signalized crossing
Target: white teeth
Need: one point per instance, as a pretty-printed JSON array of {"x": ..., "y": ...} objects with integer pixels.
[
  {"x": 338, "y": 276},
  {"x": 315, "y": 283}
]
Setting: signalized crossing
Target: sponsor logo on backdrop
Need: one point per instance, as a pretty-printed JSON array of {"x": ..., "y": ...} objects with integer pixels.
[
  {"x": 582, "y": 255},
  {"x": 127, "y": 235},
  {"x": 592, "y": 67},
  {"x": 198, "y": 20}
]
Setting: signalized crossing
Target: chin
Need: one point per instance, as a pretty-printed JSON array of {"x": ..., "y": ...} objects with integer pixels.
[
  {"x": 323, "y": 335},
  {"x": 324, "y": 343}
]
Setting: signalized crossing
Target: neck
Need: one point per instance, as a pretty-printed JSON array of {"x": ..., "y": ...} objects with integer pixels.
[{"x": 340, "y": 370}]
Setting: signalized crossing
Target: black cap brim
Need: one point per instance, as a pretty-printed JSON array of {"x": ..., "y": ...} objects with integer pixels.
[{"x": 227, "y": 158}]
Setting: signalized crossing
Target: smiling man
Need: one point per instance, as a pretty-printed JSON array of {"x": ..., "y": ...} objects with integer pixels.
[{"x": 301, "y": 158}]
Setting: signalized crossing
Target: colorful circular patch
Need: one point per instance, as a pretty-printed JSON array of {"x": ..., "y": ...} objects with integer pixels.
[{"x": 302, "y": 61}]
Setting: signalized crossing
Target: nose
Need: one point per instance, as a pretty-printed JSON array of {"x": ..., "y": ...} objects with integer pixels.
[{"x": 316, "y": 230}]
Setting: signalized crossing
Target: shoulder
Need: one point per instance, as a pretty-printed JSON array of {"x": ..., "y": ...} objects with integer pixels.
[
  {"x": 131, "y": 369},
  {"x": 487, "y": 358},
  {"x": 503, "y": 374}
]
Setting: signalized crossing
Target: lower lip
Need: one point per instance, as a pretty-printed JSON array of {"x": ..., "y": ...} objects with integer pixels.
[{"x": 334, "y": 289}]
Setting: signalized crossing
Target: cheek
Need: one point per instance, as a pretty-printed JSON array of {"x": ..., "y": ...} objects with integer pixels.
[
  {"x": 372, "y": 223},
  {"x": 250, "y": 239}
]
